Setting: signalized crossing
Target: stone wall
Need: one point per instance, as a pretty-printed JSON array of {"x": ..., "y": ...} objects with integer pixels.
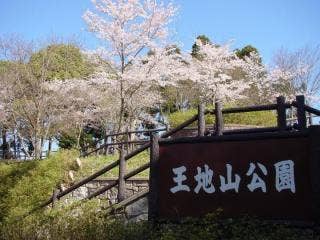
[
  {"x": 136, "y": 211},
  {"x": 132, "y": 186}
]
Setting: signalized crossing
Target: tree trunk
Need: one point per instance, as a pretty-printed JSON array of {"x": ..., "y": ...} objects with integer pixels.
[
  {"x": 105, "y": 142},
  {"x": 41, "y": 147},
  {"x": 78, "y": 140},
  {"x": 15, "y": 146},
  {"x": 23, "y": 147},
  {"x": 37, "y": 148},
  {"x": 49, "y": 146},
  {"x": 4, "y": 144}
]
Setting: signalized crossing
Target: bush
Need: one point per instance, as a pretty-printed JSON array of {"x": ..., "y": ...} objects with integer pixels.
[
  {"x": 66, "y": 141},
  {"x": 69, "y": 141},
  {"x": 88, "y": 221},
  {"x": 10, "y": 175}
]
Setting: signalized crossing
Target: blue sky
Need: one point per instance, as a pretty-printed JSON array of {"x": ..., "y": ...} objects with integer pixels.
[{"x": 266, "y": 24}]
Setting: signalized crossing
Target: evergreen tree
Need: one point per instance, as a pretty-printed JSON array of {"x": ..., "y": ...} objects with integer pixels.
[
  {"x": 196, "y": 48},
  {"x": 246, "y": 51},
  {"x": 65, "y": 62}
]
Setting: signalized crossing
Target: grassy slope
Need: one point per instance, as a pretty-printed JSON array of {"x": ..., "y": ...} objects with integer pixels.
[
  {"x": 93, "y": 163},
  {"x": 264, "y": 118},
  {"x": 26, "y": 185}
]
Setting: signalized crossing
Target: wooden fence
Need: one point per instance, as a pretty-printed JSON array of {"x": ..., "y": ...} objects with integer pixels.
[
  {"x": 110, "y": 141},
  {"x": 280, "y": 107}
]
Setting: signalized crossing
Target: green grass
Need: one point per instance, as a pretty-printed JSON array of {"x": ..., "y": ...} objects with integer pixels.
[
  {"x": 93, "y": 163},
  {"x": 24, "y": 186},
  {"x": 29, "y": 184},
  {"x": 263, "y": 118}
]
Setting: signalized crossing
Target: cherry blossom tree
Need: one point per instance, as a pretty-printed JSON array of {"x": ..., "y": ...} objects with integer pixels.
[
  {"x": 290, "y": 74},
  {"x": 84, "y": 103},
  {"x": 262, "y": 79},
  {"x": 298, "y": 73},
  {"x": 129, "y": 29},
  {"x": 214, "y": 72},
  {"x": 32, "y": 109},
  {"x": 141, "y": 82}
]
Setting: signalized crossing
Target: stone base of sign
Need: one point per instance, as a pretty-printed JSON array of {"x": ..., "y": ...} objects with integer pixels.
[
  {"x": 136, "y": 211},
  {"x": 132, "y": 186}
]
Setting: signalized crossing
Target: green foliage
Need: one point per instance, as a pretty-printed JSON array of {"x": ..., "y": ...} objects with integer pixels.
[
  {"x": 264, "y": 118},
  {"x": 179, "y": 117},
  {"x": 4, "y": 65},
  {"x": 86, "y": 141},
  {"x": 175, "y": 96},
  {"x": 24, "y": 186},
  {"x": 88, "y": 221},
  {"x": 10, "y": 176},
  {"x": 67, "y": 141},
  {"x": 246, "y": 51},
  {"x": 64, "y": 61},
  {"x": 174, "y": 49},
  {"x": 94, "y": 163},
  {"x": 195, "y": 47}
]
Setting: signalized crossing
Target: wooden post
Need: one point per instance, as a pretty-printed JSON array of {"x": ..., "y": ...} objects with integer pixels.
[
  {"x": 19, "y": 148},
  {"x": 219, "y": 118},
  {"x": 127, "y": 139},
  {"x": 54, "y": 197},
  {"x": 97, "y": 145},
  {"x": 122, "y": 172},
  {"x": 281, "y": 113},
  {"x": 113, "y": 140},
  {"x": 153, "y": 201},
  {"x": 15, "y": 145},
  {"x": 105, "y": 141},
  {"x": 201, "y": 120},
  {"x": 315, "y": 168},
  {"x": 310, "y": 119},
  {"x": 41, "y": 145},
  {"x": 301, "y": 113},
  {"x": 130, "y": 139},
  {"x": 4, "y": 143},
  {"x": 106, "y": 144}
]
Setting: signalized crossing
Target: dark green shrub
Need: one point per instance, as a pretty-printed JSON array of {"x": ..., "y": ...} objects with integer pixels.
[
  {"x": 88, "y": 221},
  {"x": 67, "y": 141}
]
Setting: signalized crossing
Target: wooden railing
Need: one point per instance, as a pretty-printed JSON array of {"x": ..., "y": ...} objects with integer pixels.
[
  {"x": 125, "y": 135},
  {"x": 280, "y": 107}
]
